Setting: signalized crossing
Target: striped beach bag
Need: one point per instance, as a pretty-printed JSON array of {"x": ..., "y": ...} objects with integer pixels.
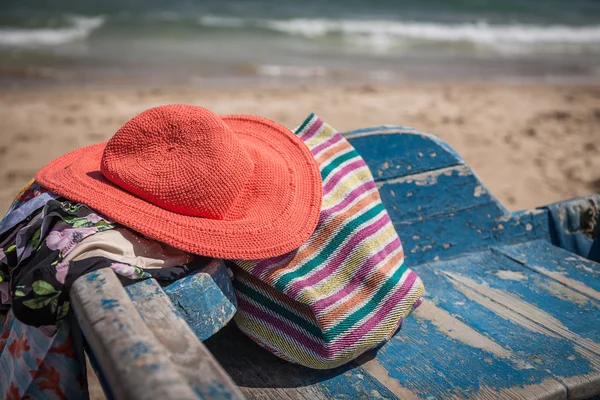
[{"x": 346, "y": 290}]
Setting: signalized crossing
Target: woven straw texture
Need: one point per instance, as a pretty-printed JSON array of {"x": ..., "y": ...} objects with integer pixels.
[
  {"x": 238, "y": 186},
  {"x": 344, "y": 291}
]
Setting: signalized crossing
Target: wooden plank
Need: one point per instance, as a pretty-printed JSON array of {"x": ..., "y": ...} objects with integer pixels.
[
  {"x": 133, "y": 361},
  {"x": 386, "y": 129},
  {"x": 576, "y": 272},
  {"x": 438, "y": 215},
  {"x": 439, "y": 192},
  {"x": 465, "y": 231},
  {"x": 392, "y": 152},
  {"x": 435, "y": 355},
  {"x": 538, "y": 304},
  {"x": 205, "y": 299},
  {"x": 567, "y": 313},
  {"x": 191, "y": 359},
  {"x": 529, "y": 344}
]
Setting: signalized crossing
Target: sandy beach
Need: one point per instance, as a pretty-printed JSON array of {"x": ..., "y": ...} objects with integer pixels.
[{"x": 530, "y": 144}]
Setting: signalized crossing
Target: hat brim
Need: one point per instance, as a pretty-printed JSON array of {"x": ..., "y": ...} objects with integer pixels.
[{"x": 276, "y": 212}]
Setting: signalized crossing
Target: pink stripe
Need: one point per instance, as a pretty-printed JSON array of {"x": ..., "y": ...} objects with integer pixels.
[
  {"x": 354, "y": 335},
  {"x": 284, "y": 326},
  {"x": 312, "y": 130},
  {"x": 340, "y": 257},
  {"x": 359, "y": 278},
  {"x": 341, "y": 174},
  {"x": 356, "y": 193},
  {"x": 417, "y": 303},
  {"x": 330, "y": 142}
]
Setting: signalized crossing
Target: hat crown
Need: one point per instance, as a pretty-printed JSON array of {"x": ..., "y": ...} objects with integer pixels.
[{"x": 182, "y": 158}]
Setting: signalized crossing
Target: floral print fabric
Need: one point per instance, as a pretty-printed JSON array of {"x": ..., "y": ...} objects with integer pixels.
[
  {"x": 38, "y": 357},
  {"x": 40, "y": 363},
  {"x": 35, "y": 278}
]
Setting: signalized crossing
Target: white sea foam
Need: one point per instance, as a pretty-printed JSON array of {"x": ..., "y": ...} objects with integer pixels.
[
  {"x": 279, "y": 71},
  {"x": 224, "y": 22},
  {"x": 79, "y": 28},
  {"x": 384, "y": 34}
]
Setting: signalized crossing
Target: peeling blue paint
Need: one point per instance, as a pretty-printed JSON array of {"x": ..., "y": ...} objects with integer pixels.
[
  {"x": 205, "y": 300},
  {"x": 401, "y": 152},
  {"x": 433, "y": 365},
  {"x": 575, "y": 224},
  {"x": 138, "y": 349},
  {"x": 152, "y": 367},
  {"x": 108, "y": 304},
  {"x": 92, "y": 276},
  {"x": 541, "y": 254},
  {"x": 548, "y": 355},
  {"x": 482, "y": 268}
]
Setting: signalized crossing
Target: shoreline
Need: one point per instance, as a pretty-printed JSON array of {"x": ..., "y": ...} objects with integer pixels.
[
  {"x": 12, "y": 80},
  {"x": 262, "y": 88},
  {"x": 531, "y": 144}
]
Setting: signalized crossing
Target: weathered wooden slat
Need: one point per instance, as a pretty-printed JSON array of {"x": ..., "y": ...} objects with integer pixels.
[
  {"x": 205, "y": 299},
  {"x": 569, "y": 269},
  {"x": 539, "y": 304},
  {"x": 435, "y": 355},
  {"x": 528, "y": 344},
  {"x": 440, "y": 192},
  {"x": 439, "y": 207},
  {"x": 392, "y": 152},
  {"x": 191, "y": 359},
  {"x": 465, "y": 231},
  {"x": 558, "y": 308},
  {"x": 135, "y": 364},
  {"x": 386, "y": 129}
]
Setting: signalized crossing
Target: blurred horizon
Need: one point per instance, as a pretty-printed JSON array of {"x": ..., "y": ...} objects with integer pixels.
[{"x": 258, "y": 41}]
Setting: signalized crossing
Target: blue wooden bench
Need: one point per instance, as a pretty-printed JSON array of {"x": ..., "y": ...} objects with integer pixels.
[{"x": 512, "y": 307}]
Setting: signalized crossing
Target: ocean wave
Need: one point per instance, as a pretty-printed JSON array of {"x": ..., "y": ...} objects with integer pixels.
[
  {"x": 279, "y": 71},
  {"x": 389, "y": 33},
  {"x": 301, "y": 72},
  {"x": 78, "y": 28}
]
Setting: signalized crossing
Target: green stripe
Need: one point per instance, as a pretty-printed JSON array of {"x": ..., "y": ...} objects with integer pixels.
[
  {"x": 373, "y": 304},
  {"x": 278, "y": 309},
  {"x": 306, "y": 121},
  {"x": 329, "y": 248},
  {"x": 336, "y": 163}
]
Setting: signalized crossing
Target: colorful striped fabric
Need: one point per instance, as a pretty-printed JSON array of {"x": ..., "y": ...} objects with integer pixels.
[{"x": 346, "y": 290}]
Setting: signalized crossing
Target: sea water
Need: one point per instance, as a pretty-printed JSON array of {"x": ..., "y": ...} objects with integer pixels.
[{"x": 259, "y": 41}]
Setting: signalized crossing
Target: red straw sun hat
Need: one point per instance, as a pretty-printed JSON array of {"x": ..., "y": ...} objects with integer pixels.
[{"x": 237, "y": 186}]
